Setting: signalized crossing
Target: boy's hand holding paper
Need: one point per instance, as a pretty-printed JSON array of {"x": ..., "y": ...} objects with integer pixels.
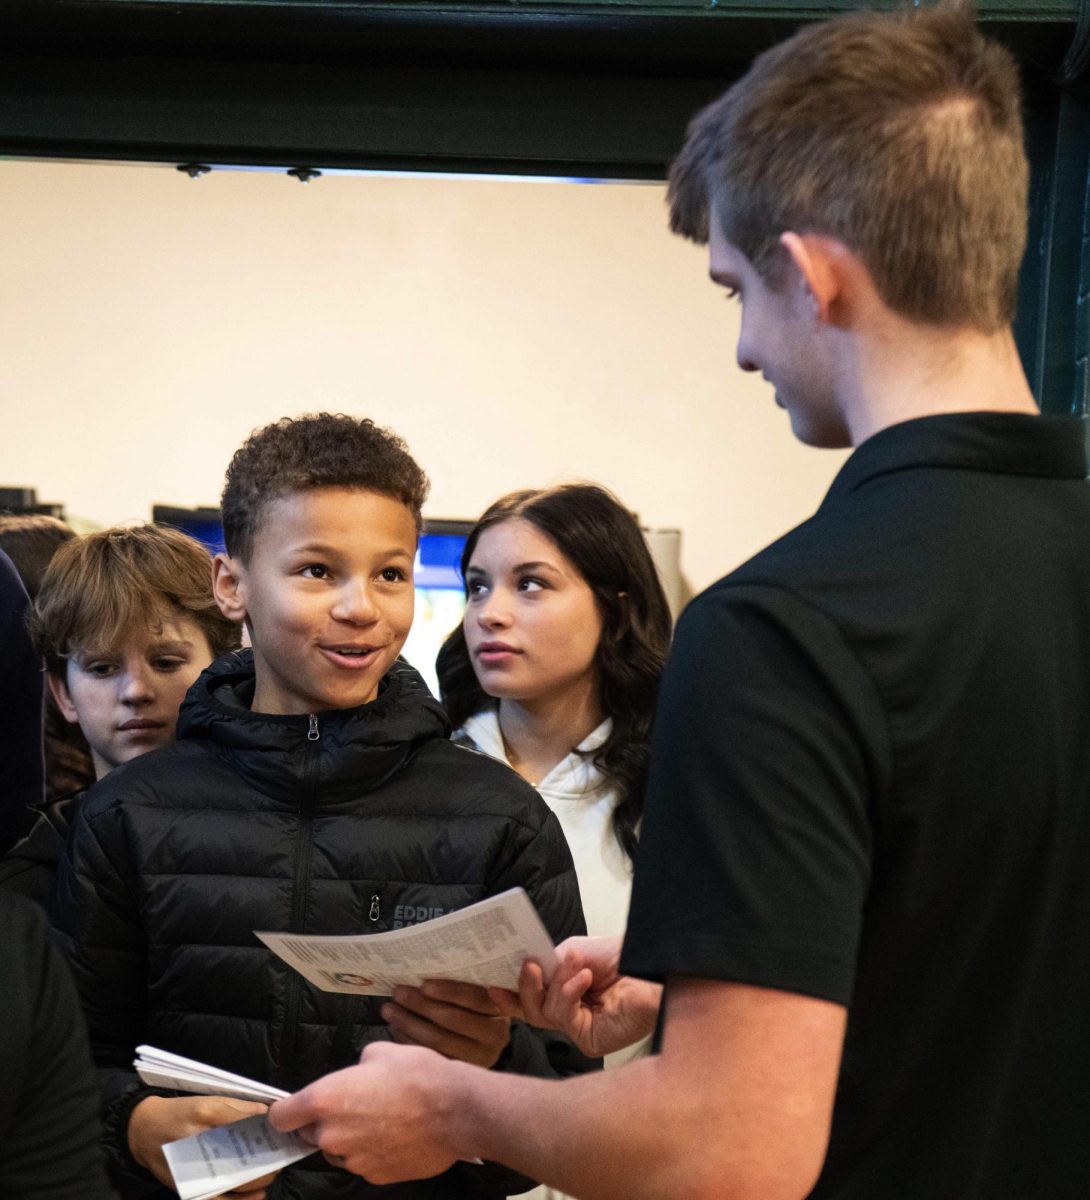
[
  {"x": 458, "y": 1020},
  {"x": 198, "y": 1144},
  {"x": 159, "y": 1124}
]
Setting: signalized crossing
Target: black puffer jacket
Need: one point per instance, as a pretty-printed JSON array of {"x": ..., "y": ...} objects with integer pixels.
[
  {"x": 344, "y": 823},
  {"x": 29, "y": 866}
]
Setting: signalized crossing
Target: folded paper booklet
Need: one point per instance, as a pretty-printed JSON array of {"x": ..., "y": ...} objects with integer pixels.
[
  {"x": 485, "y": 944},
  {"x": 160, "y": 1068},
  {"x": 221, "y": 1159}
]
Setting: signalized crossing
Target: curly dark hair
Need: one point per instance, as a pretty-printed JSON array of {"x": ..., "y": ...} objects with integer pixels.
[
  {"x": 321, "y": 450},
  {"x": 602, "y": 540}
]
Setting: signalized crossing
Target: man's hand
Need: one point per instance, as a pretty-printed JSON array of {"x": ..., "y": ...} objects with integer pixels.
[
  {"x": 458, "y": 1020},
  {"x": 159, "y": 1119},
  {"x": 587, "y": 999},
  {"x": 381, "y": 1119}
]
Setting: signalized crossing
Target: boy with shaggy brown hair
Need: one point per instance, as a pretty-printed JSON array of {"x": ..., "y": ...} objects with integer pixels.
[
  {"x": 125, "y": 620},
  {"x": 313, "y": 789}
]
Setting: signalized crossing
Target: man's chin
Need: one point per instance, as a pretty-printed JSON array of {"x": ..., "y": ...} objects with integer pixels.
[{"x": 820, "y": 435}]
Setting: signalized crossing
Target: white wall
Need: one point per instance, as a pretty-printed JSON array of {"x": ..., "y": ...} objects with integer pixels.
[{"x": 516, "y": 334}]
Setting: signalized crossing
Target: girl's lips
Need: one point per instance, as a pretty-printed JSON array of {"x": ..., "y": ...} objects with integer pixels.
[{"x": 495, "y": 652}]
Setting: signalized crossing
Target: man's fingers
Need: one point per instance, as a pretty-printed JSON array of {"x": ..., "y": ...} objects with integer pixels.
[
  {"x": 532, "y": 992},
  {"x": 563, "y": 1002},
  {"x": 573, "y": 990}
]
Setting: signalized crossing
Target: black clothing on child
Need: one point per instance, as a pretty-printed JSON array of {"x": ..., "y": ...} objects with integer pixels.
[
  {"x": 351, "y": 821},
  {"x": 22, "y": 769},
  {"x": 50, "y": 1145},
  {"x": 30, "y": 866},
  {"x": 871, "y": 784}
]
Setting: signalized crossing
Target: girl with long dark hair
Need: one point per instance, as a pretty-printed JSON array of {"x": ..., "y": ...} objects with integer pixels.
[{"x": 556, "y": 666}]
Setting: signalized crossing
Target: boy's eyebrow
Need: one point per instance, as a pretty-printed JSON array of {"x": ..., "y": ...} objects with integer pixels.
[
  {"x": 327, "y": 548},
  {"x": 176, "y": 644}
]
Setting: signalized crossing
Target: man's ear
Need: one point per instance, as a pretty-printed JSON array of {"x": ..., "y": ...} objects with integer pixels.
[
  {"x": 58, "y": 689},
  {"x": 228, "y": 587},
  {"x": 821, "y": 264}
]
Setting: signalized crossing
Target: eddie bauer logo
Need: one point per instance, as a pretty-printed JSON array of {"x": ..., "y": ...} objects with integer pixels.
[{"x": 414, "y": 914}]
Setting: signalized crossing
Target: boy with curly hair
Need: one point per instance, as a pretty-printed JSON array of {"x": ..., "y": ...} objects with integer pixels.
[{"x": 313, "y": 788}]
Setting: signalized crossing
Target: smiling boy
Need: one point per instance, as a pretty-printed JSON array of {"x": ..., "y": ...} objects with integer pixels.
[{"x": 313, "y": 789}]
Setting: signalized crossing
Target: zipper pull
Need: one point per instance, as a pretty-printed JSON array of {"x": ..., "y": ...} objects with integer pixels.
[
  {"x": 373, "y": 914},
  {"x": 312, "y": 732}
]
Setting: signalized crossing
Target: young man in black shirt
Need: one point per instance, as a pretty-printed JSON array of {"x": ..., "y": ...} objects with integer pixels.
[{"x": 862, "y": 868}]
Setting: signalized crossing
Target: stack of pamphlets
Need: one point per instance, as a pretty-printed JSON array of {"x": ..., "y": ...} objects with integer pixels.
[{"x": 221, "y": 1159}]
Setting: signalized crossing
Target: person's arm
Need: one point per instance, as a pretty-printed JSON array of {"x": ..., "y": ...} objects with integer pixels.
[
  {"x": 49, "y": 1125},
  {"x": 97, "y": 916},
  {"x": 737, "y": 1106}
]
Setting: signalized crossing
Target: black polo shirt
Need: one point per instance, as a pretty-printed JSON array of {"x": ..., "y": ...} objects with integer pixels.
[{"x": 871, "y": 783}]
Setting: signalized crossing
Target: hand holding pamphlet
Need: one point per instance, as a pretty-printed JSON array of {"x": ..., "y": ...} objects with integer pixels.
[
  {"x": 221, "y": 1159},
  {"x": 484, "y": 944}
]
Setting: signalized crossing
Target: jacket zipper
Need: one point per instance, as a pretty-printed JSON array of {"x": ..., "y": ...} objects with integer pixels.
[
  {"x": 300, "y": 877},
  {"x": 373, "y": 913}
]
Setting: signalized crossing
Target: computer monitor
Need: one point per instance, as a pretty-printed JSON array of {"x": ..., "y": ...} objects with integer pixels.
[
  {"x": 204, "y": 524},
  {"x": 440, "y": 597}
]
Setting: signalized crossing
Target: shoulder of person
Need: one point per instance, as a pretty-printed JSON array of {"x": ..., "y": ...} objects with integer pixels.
[
  {"x": 154, "y": 778},
  {"x": 477, "y": 783}
]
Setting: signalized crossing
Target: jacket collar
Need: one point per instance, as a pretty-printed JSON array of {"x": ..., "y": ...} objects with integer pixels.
[{"x": 355, "y": 751}]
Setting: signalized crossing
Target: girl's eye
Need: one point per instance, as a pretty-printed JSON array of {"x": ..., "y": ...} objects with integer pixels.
[
  {"x": 168, "y": 664},
  {"x": 392, "y": 575},
  {"x": 314, "y": 571},
  {"x": 530, "y": 584},
  {"x": 100, "y": 670},
  {"x": 476, "y": 587}
]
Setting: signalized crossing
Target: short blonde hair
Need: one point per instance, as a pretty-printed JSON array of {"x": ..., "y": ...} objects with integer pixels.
[
  {"x": 898, "y": 134},
  {"x": 100, "y": 586}
]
